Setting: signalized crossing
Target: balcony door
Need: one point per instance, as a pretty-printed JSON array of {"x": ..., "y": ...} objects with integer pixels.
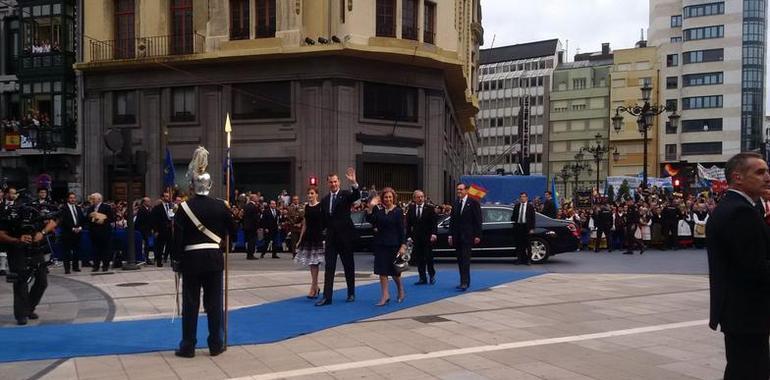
[
  {"x": 181, "y": 27},
  {"x": 124, "y": 29},
  {"x": 265, "y": 21}
]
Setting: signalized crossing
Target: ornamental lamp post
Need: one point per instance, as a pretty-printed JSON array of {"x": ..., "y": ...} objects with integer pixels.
[
  {"x": 598, "y": 152},
  {"x": 645, "y": 119}
]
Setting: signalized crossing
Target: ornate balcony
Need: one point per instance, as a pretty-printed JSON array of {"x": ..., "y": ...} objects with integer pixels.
[{"x": 147, "y": 47}]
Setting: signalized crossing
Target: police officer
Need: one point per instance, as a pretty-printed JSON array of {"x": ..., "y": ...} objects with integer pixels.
[
  {"x": 25, "y": 263},
  {"x": 200, "y": 227}
]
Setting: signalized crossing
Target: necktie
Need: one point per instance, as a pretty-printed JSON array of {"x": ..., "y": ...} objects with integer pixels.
[
  {"x": 462, "y": 206},
  {"x": 273, "y": 211},
  {"x": 767, "y": 207},
  {"x": 522, "y": 213},
  {"x": 331, "y": 203},
  {"x": 419, "y": 212}
]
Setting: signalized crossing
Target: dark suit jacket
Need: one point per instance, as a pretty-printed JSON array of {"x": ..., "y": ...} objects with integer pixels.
[
  {"x": 738, "y": 246},
  {"x": 250, "y": 218},
  {"x": 549, "y": 208},
  {"x": 338, "y": 225},
  {"x": 531, "y": 217},
  {"x": 215, "y": 215},
  {"x": 102, "y": 230},
  {"x": 390, "y": 227},
  {"x": 421, "y": 229},
  {"x": 465, "y": 226},
  {"x": 270, "y": 222},
  {"x": 160, "y": 222},
  {"x": 143, "y": 220},
  {"x": 67, "y": 223}
]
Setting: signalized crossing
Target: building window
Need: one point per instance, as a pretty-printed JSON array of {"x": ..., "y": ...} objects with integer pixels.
[
  {"x": 676, "y": 39},
  {"x": 430, "y": 23},
  {"x": 388, "y": 102},
  {"x": 124, "y": 29},
  {"x": 672, "y": 83},
  {"x": 754, "y": 30},
  {"x": 672, "y": 60},
  {"x": 753, "y": 55},
  {"x": 409, "y": 11},
  {"x": 670, "y": 152},
  {"x": 699, "y": 102},
  {"x": 386, "y": 18},
  {"x": 701, "y": 10},
  {"x": 670, "y": 129},
  {"x": 183, "y": 104},
  {"x": 704, "y": 79},
  {"x": 671, "y": 105},
  {"x": 578, "y": 107},
  {"x": 700, "y": 149},
  {"x": 265, "y": 22},
  {"x": 182, "y": 26},
  {"x": 676, "y": 21},
  {"x": 704, "y": 33},
  {"x": 702, "y": 125},
  {"x": 239, "y": 19},
  {"x": 578, "y": 84},
  {"x": 124, "y": 107},
  {"x": 266, "y": 100},
  {"x": 754, "y": 9},
  {"x": 700, "y": 56}
]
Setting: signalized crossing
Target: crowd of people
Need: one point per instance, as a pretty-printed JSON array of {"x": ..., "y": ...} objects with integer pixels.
[{"x": 42, "y": 47}]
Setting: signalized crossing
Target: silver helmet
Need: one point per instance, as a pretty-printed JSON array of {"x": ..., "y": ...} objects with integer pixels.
[{"x": 200, "y": 180}]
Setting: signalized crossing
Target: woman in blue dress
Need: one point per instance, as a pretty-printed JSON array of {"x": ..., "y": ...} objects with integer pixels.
[{"x": 389, "y": 240}]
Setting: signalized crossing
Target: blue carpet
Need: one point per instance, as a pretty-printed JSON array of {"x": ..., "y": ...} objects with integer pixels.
[{"x": 266, "y": 323}]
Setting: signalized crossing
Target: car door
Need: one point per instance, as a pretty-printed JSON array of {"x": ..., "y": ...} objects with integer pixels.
[{"x": 497, "y": 235}]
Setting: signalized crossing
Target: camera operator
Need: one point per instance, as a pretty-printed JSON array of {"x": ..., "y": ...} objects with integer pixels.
[{"x": 24, "y": 234}]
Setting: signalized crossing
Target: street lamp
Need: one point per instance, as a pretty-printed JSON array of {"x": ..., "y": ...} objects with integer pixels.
[
  {"x": 574, "y": 169},
  {"x": 598, "y": 152},
  {"x": 565, "y": 175},
  {"x": 645, "y": 118}
]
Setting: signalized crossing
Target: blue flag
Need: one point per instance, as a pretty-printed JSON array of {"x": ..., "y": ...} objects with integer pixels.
[{"x": 169, "y": 172}]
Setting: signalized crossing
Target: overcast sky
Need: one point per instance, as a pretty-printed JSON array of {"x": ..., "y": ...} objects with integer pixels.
[{"x": 584, "y": 23}]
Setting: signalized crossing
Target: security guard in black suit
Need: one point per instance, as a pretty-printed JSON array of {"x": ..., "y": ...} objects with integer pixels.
[{"x": 200, "y": 228}]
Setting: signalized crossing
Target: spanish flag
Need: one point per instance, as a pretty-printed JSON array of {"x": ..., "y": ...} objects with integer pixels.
[{"x": 477, "y": 192}]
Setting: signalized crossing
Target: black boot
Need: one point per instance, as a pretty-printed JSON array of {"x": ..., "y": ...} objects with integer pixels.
[{"x": 67, "y": 267}]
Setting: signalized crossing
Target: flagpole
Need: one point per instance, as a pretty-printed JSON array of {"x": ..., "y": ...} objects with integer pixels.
[{"x": 228, "y": 130}]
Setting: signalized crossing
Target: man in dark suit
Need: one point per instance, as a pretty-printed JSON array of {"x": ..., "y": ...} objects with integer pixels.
[
  {"x": 738, "y": 247},
  {"x": 161, "y": 216},
  {"x": 143, "y": 224},
  {"x": 523, "y": 218},
  {"x": 464, "y": 232},
  {"x": 549, "y": 205},
  {"x": 251, "y": 218},
  {"x": 71, "y": 221},
  {"x": 339, "y": 234},
  {"x": 670, "y": 224},
  {"x": 100, "y": 218},
  {"x": 421, "y": 228},
  {"x": 269, "y": 226},
  {"x": 603, "y": 225}
]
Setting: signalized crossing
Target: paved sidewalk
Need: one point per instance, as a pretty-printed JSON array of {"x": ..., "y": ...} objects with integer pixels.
[{"x": 607, "y": 326}]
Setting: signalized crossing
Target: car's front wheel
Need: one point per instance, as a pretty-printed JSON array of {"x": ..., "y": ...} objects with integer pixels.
[{"x": 540, "y": 250}]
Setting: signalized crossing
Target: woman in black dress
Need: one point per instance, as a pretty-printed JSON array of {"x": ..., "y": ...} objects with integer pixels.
[
  {"x": 310, "y": 248},
  {"x": 389, "y": 240}
]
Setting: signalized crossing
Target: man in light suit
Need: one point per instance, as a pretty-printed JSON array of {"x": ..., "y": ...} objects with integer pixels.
[
  {"x": 339, "y": 234},
  {"x": 523, "y": 219},
  {"x": 738, "y": 245},
  {"x": 464, "y": 232}
]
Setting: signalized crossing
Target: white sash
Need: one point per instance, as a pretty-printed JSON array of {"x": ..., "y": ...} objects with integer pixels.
[{"x": 200, "y": 225}]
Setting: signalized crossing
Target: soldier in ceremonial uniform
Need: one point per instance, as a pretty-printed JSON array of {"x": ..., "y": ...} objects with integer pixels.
[{"x": 200, "y": 227}]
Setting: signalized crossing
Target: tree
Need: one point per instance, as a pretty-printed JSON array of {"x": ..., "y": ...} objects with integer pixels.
[
  {"x": 611, "y": 193},
  {"x": 624, "y": 190}
]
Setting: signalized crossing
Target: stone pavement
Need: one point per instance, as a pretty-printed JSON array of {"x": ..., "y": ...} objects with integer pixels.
[{"x": 554, "y": 326}]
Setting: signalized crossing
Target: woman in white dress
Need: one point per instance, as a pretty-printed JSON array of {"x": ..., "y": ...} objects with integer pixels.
[{"x": 700, "y": 217}]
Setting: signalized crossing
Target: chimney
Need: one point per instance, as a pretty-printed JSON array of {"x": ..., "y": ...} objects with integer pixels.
[{"x": 605, "y": 48}]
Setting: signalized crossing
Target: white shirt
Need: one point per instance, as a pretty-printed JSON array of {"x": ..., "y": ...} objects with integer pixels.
[
  {"x": 462, "y": 204},
  {"x": 72, "y": 211},
  {"x": 523, "y": 212}
]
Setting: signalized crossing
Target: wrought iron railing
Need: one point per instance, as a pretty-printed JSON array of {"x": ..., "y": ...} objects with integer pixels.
[{"x": 147, "y": 47}]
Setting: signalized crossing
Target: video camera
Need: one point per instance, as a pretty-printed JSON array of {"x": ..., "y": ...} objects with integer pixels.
[{"x": 29, "y": 219}]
